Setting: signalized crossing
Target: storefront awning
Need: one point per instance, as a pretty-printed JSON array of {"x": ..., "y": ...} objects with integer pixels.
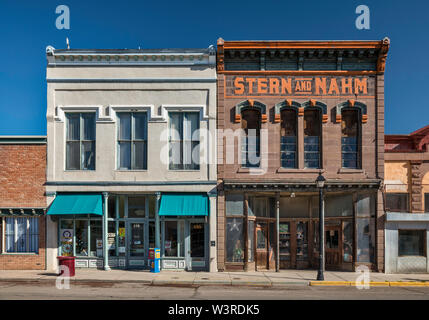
[
  {"x": 77, "y": 204},
  {"x": 184, "y": 204}
]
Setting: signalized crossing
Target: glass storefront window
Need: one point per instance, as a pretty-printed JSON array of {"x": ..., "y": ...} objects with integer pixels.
[
  {"x": 365, "y": 205},
  {"x": 234, "y": 204},
  {"x": 121, "y": 206},
  {"x": 96, "y": 236},
  {"x": 111, "y": 208},
  {"x": 170, "y": 243},
  {"x": 412, "y": 243},
  {"x": 339, "y": 206},
  {"x": 152, "y": 206},
  {"x": 301, "y": 240},
  {"x": 294, "y": 207},
  {"x": 284, "y": 239},
  {"x": 136, "y": 207},
  {"x": 81, "y": 237},
  {"x": 251, "y": 242},
  {"x": 366, "y": 240},
  {"x": 121, "y": 238},
  {"x": 258, "y": 207},
  {"x": 111, "y": 238},
  {"x": 348, "y": 241},
  {"x": 197, "y": 240},
  {"x": 151, "y": 234},
  {"x": 137, "y": 248},
  {"x": 66, "y": 237},
  {"x": 234, "y": 240}
]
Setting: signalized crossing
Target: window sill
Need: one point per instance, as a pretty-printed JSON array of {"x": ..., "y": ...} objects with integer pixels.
[
  {"x": 248, "y": 170},
  {"x": 184, "y": 170},
  {"x": 19, "y": 254},
  {"x": 346, "y": 170},
  {"x": 303, "y": 170},
  {"x": 130, "y": 170}
]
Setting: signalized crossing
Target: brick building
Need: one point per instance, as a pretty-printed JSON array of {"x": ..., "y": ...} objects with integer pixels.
[
  {"x": 22, "y": 202},
  {"x": 287, "y": 112},
  {"x": 407, "y": 201}
]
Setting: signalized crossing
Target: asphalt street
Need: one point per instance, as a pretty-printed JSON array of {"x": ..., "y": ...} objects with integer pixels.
[{"x": 103, "y": 290}]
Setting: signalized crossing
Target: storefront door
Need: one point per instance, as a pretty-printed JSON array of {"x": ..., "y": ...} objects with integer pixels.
[
  {"x": 197, "y": 246},
  {"x": 262, "y": 249},
  {"x": 333, "y": 246},
  {"x": 136, "y": 245}
]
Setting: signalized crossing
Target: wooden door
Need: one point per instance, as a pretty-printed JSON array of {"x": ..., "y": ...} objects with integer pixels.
[
  {"x": 333, "y": 245},
  {"x": 262, "y": 248}
]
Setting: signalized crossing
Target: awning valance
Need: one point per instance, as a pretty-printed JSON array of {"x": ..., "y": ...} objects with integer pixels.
[
  {"x": 77, "y": 204},
  {"x": 184, "y": 204}
]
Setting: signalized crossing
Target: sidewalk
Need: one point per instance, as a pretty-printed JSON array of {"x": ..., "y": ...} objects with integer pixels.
[{"x": 283, "y": 278}]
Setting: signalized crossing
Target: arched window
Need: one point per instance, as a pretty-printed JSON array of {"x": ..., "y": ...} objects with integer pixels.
[
  {"x": 312, "y": 137},
  {"x": 250, "y": 144},
  {"x": 288, "y": 138},
  {"x": 350, "y": 139}
]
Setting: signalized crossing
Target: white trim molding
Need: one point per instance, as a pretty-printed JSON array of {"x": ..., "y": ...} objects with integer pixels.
[
  {"x": 202, "y": 109},
  {"x": 60, "y": 111},
  {"x": 150, "y": 109}
]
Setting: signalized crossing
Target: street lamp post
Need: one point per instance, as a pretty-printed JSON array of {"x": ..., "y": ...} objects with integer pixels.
[{"x": 320, "y": 183}]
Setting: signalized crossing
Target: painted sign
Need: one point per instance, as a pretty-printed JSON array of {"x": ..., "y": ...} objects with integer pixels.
[
  {"x": 66, "y": 242},
  {"x": 237, "y": 86}
]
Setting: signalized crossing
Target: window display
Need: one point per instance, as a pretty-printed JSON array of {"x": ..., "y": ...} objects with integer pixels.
[
  {"x": 284, "y": 238},
  {"x": 301, "y": 240},
  {"x": 170, "y": 243},
  {"x": 234, "y": 240},
  {"x": 412, "y": 243},
  {"x": 81, "y": 237}
]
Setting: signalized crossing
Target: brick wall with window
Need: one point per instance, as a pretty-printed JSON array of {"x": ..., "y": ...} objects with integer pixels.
[{"x": 22, "y": 200}]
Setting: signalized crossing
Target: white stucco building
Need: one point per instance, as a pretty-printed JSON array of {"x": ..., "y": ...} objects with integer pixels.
[{"x": 131, "y": 157}]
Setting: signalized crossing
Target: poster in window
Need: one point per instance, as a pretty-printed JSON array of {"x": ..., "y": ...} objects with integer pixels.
[{"x": 67, "y": 242}]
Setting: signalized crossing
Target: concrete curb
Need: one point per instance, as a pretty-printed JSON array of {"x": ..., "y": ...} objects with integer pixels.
[
  {"x": 371, "y": 284},
  {"x": 243, "y": 283}
]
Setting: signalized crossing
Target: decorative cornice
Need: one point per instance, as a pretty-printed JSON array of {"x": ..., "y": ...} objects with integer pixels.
[
  {"x": 382, "y": 56},
  {"x": 104, "y": 57}
]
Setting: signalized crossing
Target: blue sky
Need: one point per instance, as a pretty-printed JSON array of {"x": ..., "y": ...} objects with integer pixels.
[{"x": 27, "y": 27}]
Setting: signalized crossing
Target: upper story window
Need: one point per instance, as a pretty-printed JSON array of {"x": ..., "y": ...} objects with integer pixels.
[
  {"x": 80, "y": 141},
  {"x": 250, "y": 144},
  {"x": 184, "y": 139},
  {"x": 350, "y": 139},
  {"x": 312, "y": 138},
  {"x": 22, "y": 235},
  {"x": 397, "y": 202},
  {"x": 288, "y": 139},
  {"x": 132, "y": 140}
]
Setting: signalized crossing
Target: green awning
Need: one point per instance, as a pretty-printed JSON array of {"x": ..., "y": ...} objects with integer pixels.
[
  {"x": 184, "y": 204},
  {"x": 77, "y": 204}
]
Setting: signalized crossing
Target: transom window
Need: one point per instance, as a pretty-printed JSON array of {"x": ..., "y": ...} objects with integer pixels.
[
  {"x": 250, "y": 144},
  {"x": 312, "y": 138},
  {"x": 397, "y": 202},
  {"x": 132, "y": 140},
  {"x": 350, "y": 136},
  {"x": 184, "y": 139},
  {"x": 288, "y": 139},
  {"x": 22, "y": 234},
  {"x": 80, "y": 141}
]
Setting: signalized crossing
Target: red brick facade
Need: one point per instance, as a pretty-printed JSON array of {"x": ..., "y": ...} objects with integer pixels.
[{"x": 22, "y": 179}]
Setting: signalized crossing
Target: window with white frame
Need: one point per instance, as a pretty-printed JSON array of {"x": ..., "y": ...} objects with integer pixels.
[
  {"x": 80, "y": 141},
  {"x": 184, "y": 140},
  {"x": 21, "y": 234},
  {"x": 132, "y": 140}
]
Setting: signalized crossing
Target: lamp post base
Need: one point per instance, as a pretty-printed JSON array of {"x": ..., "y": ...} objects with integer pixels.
[{"x": 320, "y": 275}]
